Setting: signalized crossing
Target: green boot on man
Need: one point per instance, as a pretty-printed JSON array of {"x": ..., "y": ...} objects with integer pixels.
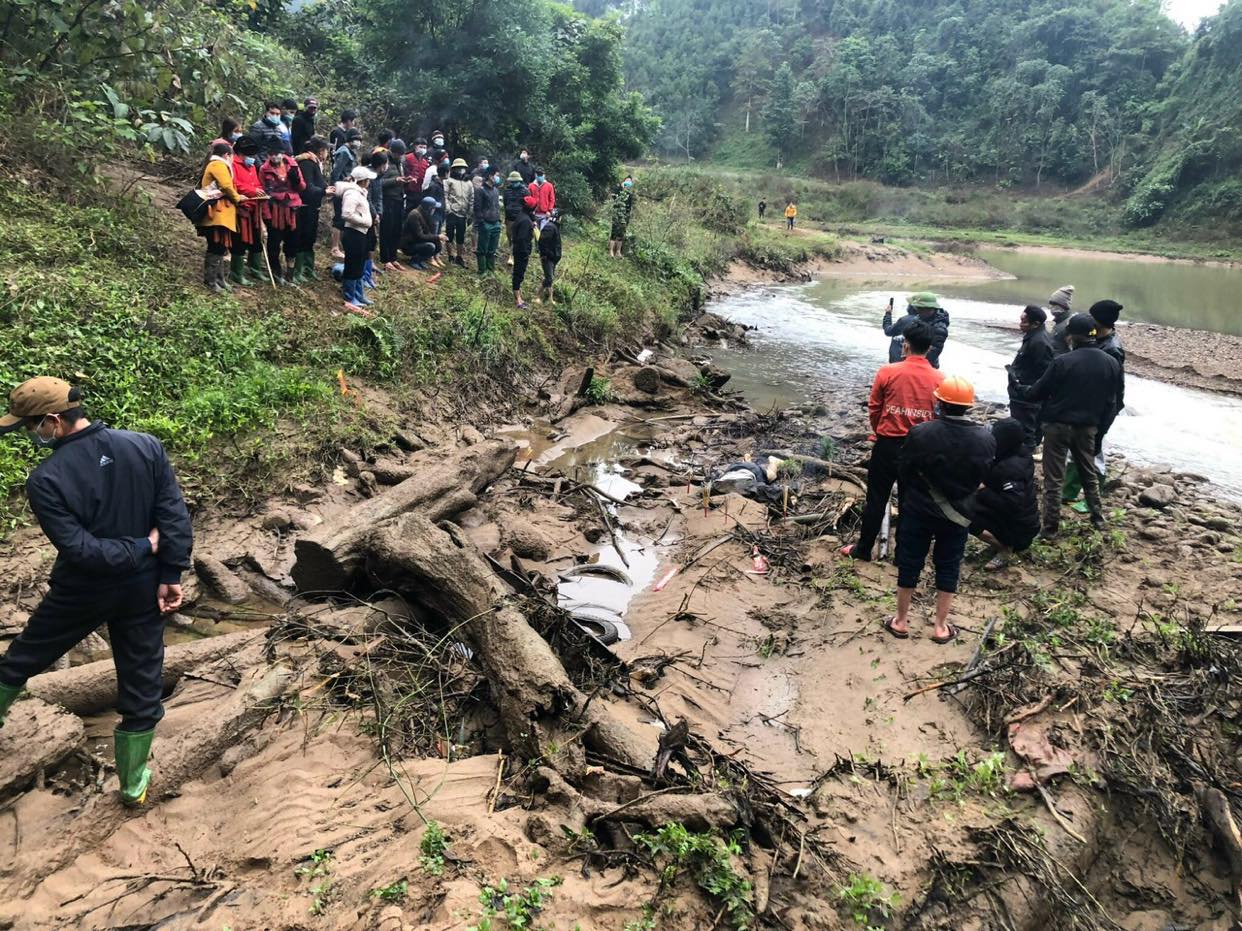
[
  {"x": 8, "y": 695},
  {"x": 256, "y": 269},
  {"x": 237, "y": 270},
  {"x": 132, "y": 750}
]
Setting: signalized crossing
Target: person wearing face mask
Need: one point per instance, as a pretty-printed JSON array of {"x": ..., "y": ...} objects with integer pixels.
[
  {"x": 266, "y": 132},
  {"x": 544, "y": 194},
  {"x": 230, "y": 130},
  {"x": 344, "y": 161},
  {"x": 621, "y": 209},
  {"x": 523, "y": 243},
  {"x": 249, "y": 240},
  {"x": 415, "y": 166},
  {"x": 219, "y": 224},
  {"x": 438, "y": 152},
  {"x": 523, "y": 167},
  {"x": 110, "y": 504},
  {"x": 482, "y": 169},
  {"x": 283, "y": 184},
  {"x": 378, "y": 164},
  {"x": 458, "y": 210},
  {"x": 310, "y": 164},
  {"x": 359, "y": 223},
  {"x": 549, "y": 254},
  {"x": 487, "y": 223},
  {"x": 303, "y": 126},
  {"x": 434, "y": 188},
  {"x": 514, "y": 196}
]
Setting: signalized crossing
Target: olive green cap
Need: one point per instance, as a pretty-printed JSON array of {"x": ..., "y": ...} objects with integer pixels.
[{"x": 924, "y": 300}]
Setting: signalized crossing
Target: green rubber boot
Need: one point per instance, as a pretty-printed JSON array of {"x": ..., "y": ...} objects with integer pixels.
[
  {"x": 8, "y": 695},
  {"x": 132, "y": 750},
  {"x": 256, "y": 269},
  {"x": 301, "y": 274},
  {"x": 1073, "y": 484},
  {"x": 237, "y": 270}
]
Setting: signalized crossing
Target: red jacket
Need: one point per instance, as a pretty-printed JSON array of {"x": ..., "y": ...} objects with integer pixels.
[
  {"x": 545, "y": 196},
  {"x": 246, "y": 178},
  {"x": 415, "y": 170},
  {"x": 902, "y": 396}
]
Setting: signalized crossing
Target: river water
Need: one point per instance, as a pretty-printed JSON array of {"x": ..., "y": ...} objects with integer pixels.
[{"x": 823, "y": 338}]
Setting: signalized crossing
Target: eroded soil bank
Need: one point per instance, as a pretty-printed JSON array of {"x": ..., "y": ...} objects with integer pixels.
[{"x": 1056, "y": 767}]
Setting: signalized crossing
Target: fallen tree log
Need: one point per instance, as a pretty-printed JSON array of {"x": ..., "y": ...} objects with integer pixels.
[
  {"x": 331, "y": 557},
  {"x": 36, "y": 737},
  {"x": 91, "y": 687},
  {"x": 542, "y": 713}
]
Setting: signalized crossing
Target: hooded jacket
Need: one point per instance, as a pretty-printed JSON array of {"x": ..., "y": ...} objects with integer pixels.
[
  {"x": 1060, "y": 328},
  {"x": 416, "y": 229},
  {"x": 355, "y": 208},
  {"x": 344, "y": 161},
  {"x": 939, "y": 322}
]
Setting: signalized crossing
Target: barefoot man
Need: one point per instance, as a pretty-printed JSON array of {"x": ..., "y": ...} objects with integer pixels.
[{"x": 110, "y": 504}]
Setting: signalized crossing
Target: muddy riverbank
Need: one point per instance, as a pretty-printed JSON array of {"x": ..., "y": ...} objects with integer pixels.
[{"x": 754, "y": 664}]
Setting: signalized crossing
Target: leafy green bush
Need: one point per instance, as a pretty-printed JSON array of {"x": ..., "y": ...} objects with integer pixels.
[{"x": 708, "y": 859}]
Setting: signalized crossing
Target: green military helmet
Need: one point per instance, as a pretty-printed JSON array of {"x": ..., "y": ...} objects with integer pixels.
[{"x": 925, "y": 300}]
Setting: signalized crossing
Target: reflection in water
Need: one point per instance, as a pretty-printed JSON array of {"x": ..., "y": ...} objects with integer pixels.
[
  {"x": 1198, "y": 296},
  {"x": 825, "y": 338}
]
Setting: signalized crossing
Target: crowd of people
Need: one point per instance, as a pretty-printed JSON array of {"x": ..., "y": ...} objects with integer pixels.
[
  {"x": 395, "y": 207},
  {"x": 955, "y": 477}
]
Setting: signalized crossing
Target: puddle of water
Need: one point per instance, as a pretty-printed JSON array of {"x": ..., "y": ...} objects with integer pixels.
[{"x": 824, "y": 338}]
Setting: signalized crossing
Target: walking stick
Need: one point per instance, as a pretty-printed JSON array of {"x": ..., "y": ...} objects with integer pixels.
[{"x": 263, "y": 241}]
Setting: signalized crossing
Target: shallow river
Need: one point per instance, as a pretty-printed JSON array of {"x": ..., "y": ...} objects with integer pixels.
[{"x": 825, "y": 337}]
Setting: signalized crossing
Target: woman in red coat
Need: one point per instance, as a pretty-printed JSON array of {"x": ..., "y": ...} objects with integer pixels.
[
  {"x": 247, "y": 240},
  {"x": 282, "y": 181}
]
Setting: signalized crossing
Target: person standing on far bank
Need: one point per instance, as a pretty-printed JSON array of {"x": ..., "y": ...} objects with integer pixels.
[
  {"x": 1079, "y": 396},
  {"x": 791, "y": 216},
  {"x": 109, "y": 503},
  {"x": 621, "y": 209}
]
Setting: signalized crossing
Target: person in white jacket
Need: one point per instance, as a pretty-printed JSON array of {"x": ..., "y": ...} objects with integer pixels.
[{"x": 356, "y": 236}]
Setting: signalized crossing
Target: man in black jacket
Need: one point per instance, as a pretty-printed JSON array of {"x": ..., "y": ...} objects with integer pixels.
[
  {"x": 524, "y": 167},
  {"x": 943, "y": 463},
  {"x": 267, "y": 135},
  {"x": 1105, "y": 314},
  {"x": 923, "y": 306},
  {"x": 303, "y": 127},
  {"x": 1079, "y": 395},
  {"x": 1060, "y": 303},
  {"x": 1033, "y": 358},
  {"x": 549, "y": 253},
  {"x": 514, "y": 198},
  {"x": 109, "y": 502}
]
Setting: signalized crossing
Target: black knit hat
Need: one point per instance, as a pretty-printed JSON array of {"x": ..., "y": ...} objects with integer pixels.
[
  {"x": 1106, "y": 312},
  {"x": 1081, "y": 325}
]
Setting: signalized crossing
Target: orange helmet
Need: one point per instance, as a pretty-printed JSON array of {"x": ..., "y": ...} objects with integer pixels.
[{"x": 956, "y": 390}]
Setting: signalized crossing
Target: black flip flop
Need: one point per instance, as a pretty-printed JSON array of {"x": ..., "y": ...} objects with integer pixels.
[
  {"x": 953, "y": 632},
  {"x": 888, "y": 625}
]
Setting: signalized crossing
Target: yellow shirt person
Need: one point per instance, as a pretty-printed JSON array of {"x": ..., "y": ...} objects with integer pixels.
[{"x": 791, "y": 214}]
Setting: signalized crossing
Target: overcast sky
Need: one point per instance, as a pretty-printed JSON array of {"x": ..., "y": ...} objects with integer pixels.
[{"x": 1189, "y": 12}]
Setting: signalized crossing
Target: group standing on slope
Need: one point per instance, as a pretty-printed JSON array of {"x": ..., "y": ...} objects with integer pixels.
[
  {"x": 955, "y": 477},
  {"x": 265, "y": 190}
]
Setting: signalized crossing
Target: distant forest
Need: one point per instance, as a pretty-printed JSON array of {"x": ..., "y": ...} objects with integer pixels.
[{"x": 1015, "y": 93}]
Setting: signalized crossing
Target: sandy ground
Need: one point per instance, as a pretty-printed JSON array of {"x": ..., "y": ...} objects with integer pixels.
[{"x": 1138, "y": 257}]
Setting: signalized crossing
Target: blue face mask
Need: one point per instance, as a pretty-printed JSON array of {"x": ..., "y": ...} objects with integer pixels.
[
  {"x": 627, "y": 184},
  {"x": 539, "y": 178},
  {"x": 235, "y": 136},
  {"x": 249, "y": 160},
  {"x": 272, "y": 119}
]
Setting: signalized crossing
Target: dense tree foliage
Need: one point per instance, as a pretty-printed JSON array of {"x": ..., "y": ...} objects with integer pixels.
[
  {"x": 493, "y": 75},
  {"x": 1012, "y": 91}
]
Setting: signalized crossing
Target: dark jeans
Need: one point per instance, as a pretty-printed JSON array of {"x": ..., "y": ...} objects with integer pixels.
[
  {"x": 790, "y": 223},
  {"x": 520, "y": 261},
  {"x": 549, "y": 273},
  {"x": 1027, "y": 414},
  {"x": 354, "y": 245},
  {"x": 455, "y": 227},
  {"x": 421, "y": 251},
  {"x": 390, "y": 234},
  {"x": 881, "y": 476},
  {"x": 916, "y": 534},
  {"x": 64, "y": 618},
  {"x": 1061, "y": 439},
  {"x": 278, "y": 240}
]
